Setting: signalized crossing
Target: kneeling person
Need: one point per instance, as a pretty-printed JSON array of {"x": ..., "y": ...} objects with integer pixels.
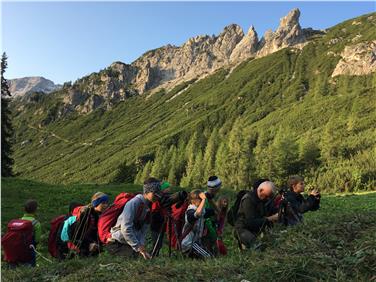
[
  {"x": 254, "y": 214},
  {"x": 128, "y": 234},
  {"x": 194, "y": 226}
]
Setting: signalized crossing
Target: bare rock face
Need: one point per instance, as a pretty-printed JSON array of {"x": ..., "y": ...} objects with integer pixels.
[
  {"x": 359, "y": 59},
  {"x": 20, "y": 87},
  {"x": 105, "y": 88},
  {"x": 288, "y": 34},
  {"x": 199, "y": 55},
  {"x": 169, "y": 66},
  {"x": 247, "y": 47}
]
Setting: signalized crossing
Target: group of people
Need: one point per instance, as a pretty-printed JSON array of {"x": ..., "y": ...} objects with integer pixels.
[{"x": 192, "y": 222}]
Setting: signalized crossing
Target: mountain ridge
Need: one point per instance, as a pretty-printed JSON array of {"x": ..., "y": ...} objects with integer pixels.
[
  {"x": 169, "y": 66},
  {"x": 279, "y": 114},
  {"x": 21, "y": 87}
]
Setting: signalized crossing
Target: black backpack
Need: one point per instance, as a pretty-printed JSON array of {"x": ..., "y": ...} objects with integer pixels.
[{"x": 232, "y": 213}]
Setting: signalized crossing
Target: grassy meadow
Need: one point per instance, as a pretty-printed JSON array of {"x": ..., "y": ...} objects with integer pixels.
[{"x": 335, "y": 243}]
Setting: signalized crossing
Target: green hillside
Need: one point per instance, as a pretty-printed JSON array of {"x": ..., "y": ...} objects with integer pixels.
[
  {"x": 335, "y": 243},
  {"x": 269, "y": 117}
]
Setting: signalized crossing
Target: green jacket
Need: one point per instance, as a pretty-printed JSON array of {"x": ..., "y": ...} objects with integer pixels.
[
  {"x": 210, "y": 223},
  {"x": 36, "y": 225}
]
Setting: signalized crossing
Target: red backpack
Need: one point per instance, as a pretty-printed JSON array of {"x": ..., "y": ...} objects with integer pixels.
[
  {"x": 109, "y": 217},
  {"x": 16, "y": 242},
  {"x": 178, "y": 215},
  {"x": 53, "y": 237}
]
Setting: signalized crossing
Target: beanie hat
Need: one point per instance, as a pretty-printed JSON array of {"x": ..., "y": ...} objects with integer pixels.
[
  {"x": 165, "y": 185},
  {"x": 154, "y": 187},
  {"x": 214, "y": 182}
]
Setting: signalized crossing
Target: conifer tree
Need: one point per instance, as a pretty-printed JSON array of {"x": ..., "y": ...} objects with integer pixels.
[{"x": 6, "y": 125}]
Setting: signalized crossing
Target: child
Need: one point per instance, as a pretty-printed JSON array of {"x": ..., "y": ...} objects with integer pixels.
[
  {"x": 128, "y": 234},
  {"x": 31, "y": 207},
  {"x": 84, "y": 234},
  {"x": 298, "y": 203},
  {"x": 194, "y": 226},
  {"x": 222, "y": 205}
]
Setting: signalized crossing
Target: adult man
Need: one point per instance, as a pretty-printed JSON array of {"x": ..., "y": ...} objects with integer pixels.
[
  {"x": 128, "y": 234},
  {"x": 254, "y": 215}
]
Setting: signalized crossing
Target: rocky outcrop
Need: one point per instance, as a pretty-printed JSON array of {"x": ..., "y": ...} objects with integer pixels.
[
  {"x": 103, "y": 89},
  {"x": 169, "y": 66},
  {"x": 20, "y": 87},
  {"x": 198, "y": 56},
  {"x": 287, "y": 34},
  {"x": 247, "y": 47},
  {"x": 359, "y": 59}
]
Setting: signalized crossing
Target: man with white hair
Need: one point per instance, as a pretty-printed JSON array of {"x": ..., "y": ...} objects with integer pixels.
[{"x": 254, "y": 215}]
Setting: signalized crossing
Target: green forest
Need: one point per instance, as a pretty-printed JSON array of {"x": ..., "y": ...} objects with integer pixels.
[{"x": 269, "y": 117}]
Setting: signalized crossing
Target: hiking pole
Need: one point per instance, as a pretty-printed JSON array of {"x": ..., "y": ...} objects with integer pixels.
[{"x": 43, "y": 257}]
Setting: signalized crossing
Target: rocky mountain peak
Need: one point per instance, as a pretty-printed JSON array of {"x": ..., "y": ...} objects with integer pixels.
[
  {"x": 291, "y": 19},
  {"x": 168, "y": 66},
  {"x": 19, "y": 87},
  {"x": 288, "y": 33},
  {"x": 247, "y": 47},
  {"x": 232, "y": 30}
]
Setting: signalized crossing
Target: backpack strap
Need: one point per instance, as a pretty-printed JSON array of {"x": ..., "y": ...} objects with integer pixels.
[{"x": 187, "y": 231}]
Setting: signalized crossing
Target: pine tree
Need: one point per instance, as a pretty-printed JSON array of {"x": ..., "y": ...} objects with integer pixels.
[
  {"x": 172, "y": 166},
  {"x": 210, "y": 152},
  {"x": 309, "y": 152},
  {"x": 197, "y": 177},
  {"x": 146, "y": 172},
  {"x": 221, "y": 165},
  {"x": 126, "y": 173},
  {"x": 245, "y": 171},
  {"x": 190, "y": 154},
  {"x": 263, "y": 156},
  {"x": 180, "y": 162},
  {"x": 6, "y": 126},
  {"x": 160, "y": 166},
  {"x": 330, "y": 144},
  {"x": 285, "y": 156}
]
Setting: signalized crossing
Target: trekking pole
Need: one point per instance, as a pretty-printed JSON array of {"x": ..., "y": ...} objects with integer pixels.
[{"x": 43, "y": 257}]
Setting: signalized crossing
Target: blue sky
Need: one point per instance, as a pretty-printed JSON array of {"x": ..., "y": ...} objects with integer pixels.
[{"x": 63, "y": 41}]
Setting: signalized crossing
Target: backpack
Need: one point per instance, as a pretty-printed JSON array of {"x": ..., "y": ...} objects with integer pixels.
[
  {"x": 178, "y": 220},
  {"x": 54, "y": 239},
  {"x": 68, "y": 226},
  {"x": 232, "y": 213},
  {"x": 109, "y": 217},
  {"x": 17, "y": 240}
]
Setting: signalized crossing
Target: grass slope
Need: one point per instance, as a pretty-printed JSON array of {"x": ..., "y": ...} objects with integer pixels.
[
  {"x": 335, "y": 243},
  {"x": 291, "y": 89}
]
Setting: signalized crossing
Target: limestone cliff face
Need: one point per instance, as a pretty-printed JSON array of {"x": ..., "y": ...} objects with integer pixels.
[
  {"x": 247, "y": 47},
  {"x": 287, "y": 34},
  {"x": 358, "y": 59},
  {"x": 103, "y": 89},
  {"x": 168, "y": 66},
  {"x": 198, "y": 56}
]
